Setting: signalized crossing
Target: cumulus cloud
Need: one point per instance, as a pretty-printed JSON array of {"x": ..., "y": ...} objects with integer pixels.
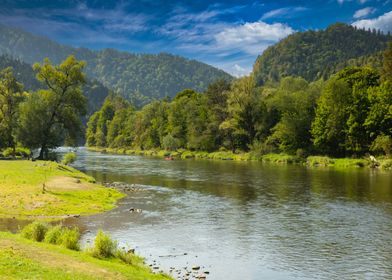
[
  {"x": 252, "y": 37},
  {"x": 383, "y": 22},
  {"x": 364, "y": 12}
]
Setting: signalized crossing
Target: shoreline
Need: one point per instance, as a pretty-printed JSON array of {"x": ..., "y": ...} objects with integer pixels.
[
  {"x": 45, "y": 190},
  {"x": 383, "y": 163}
]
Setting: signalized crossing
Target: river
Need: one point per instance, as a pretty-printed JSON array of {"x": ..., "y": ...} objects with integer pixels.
[{"x": 248, "y": 220}]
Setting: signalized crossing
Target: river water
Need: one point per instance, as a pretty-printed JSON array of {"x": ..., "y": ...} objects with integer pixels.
[{"x": 248, "y": 220}]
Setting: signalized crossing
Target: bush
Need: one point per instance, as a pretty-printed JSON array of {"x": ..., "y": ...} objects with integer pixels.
[
  {"x": 383, "y": 143},
  {"x": 53, "y": 235},
  {"x": 19, "y": 152},
  {"x": 70, "y": 238},
  {"x": 170, "y": 143},
  {"x": 104, "y": 246},
  {"x": 124, "y": 256},
  {"x": 35, "y": 231},
  {"x": 386, "y": 164},
  {"x": 68, "y": 158}
]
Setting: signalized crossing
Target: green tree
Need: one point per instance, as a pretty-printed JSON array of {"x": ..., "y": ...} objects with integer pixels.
[
  {"x": 50, "y": 116},
  {"x": 387, "y": 63},
  {"x": 10, "y": 96}
]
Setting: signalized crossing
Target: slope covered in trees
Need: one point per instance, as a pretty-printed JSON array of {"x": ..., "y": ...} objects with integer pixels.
[
  {"x": 319, "y": 54},
  {"x": 138, "y": 77},
  {"x": 350, "y": 114}
]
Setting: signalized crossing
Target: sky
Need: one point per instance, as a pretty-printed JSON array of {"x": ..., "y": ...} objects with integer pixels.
[{"x": 226, "y": 34}]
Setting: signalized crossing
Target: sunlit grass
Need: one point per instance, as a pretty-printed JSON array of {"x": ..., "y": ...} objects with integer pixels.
[{"x": 48, "y": 189}]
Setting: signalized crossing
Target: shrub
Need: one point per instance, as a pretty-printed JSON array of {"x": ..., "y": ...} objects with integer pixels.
[
  {"x": 124, "y": 256},
  {"x": 104, "y": 246},
  {"x": 35, "y": 231},
  {"x": 386, "y": 164},
  {"x": 53, "y": 235},
  {"x": 19, "y": 152},
  {"x": 170, "y": 143},
  {"x": 383, "y": 143},
  {"x": 70, "y": 238},
  {"x": 68, "y": 158}
]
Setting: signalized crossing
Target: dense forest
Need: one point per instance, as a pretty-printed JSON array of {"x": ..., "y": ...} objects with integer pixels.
[
  {"x": 319, "y": 54},
  {"x": 139, "y": 78},
  {"x": 349, "y": 114}
]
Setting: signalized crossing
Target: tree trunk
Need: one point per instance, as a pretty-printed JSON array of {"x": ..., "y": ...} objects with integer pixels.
[{"x": 42, "y": 152}]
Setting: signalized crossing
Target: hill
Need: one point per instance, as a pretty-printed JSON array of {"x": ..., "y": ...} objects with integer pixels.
[
  {"x": 318, "y": 54},
  {"x": 138, "y": 77}
]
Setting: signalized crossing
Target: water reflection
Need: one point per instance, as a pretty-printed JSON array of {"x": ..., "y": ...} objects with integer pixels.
[{"x": 246, "y": 220}]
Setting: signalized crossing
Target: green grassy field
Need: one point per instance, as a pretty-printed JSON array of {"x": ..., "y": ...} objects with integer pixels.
[
  {"x": 40, "y": 189},
  {"x": 25, "y": 259}
]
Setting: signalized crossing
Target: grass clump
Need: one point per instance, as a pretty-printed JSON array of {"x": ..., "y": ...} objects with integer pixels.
[
  {"x": 68, "y": 158},
  {"x": 66, "y": 237},
  {"x": 104, "y": 246},
  {"x": 53, "y": 235},
  {"x": 69, "y": 238},
  {"x": 35, "y": 231}
]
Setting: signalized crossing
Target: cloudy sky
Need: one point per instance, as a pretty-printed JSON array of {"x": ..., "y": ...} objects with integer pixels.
[{"x": 227, "y": 34}]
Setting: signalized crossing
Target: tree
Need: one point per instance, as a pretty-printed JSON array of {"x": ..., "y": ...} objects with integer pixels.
[
  {"x": 10, "y": 97},
  {"x": 387, "y": 63},
  {"x": 50, "y": 116},
  {"x": 244, "y": 110}
]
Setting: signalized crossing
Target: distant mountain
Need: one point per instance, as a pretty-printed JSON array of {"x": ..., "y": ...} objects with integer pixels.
[
  {"x": 318, "y": 54},
  {"x": 138, "y": 77},
  {"x": 95, "y": 91}
]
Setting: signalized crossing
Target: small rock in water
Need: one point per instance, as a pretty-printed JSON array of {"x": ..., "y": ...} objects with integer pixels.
[
  {"x": 131, "y": 251},
  {"x": 206, "y": 272},
  {"x": 195, "y": 267}
]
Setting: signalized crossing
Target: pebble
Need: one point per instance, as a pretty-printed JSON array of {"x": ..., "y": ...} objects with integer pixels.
[{"x": 195, "y": 267}]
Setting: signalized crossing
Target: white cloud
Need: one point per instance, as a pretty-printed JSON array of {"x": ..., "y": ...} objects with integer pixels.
[
  {"x": 383, "y": 22},
  {"x": 364, "y": 12},
  {"x": 252, "y": 37},
  {"x": 283, "y": 12}
]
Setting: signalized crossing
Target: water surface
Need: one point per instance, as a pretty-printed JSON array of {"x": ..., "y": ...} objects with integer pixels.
[{"x": 246, "y": 220}]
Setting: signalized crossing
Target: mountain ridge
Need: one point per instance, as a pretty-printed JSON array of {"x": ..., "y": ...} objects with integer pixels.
[{"x": 138, "y": 77}]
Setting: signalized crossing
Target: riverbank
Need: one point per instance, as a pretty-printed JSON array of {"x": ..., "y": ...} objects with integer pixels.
[
  {"x": 49, "y": 190},
  {"x": 21, "y": 258},
  {"x": 383, "y": 163}
]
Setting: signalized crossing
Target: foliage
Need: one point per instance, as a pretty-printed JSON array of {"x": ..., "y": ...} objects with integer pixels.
[
  {"x": 68, "y": 158},
  {"x": 53, "y": 235},
  {"x": 69, "y": 238},
  {"x": 50, "y": 116},
  {"x": 35, "y": 231},
  {"x": 17, "y": 152},
  {"x": 10, "y": 96},
  {"x": 104, "y": 246},
  {"x": 383, "y": 143},
  {"x": 317, "y": 54}
]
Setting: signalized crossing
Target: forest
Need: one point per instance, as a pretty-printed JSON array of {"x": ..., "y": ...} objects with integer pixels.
[
  {"x": 139, "y": 78},
  {"x": 347, "y": 115}
]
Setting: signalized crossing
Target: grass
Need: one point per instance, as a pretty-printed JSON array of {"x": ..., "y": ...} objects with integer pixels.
[
  {"x": 40, "y": 189},
  {"x": 25, "y": 259}
]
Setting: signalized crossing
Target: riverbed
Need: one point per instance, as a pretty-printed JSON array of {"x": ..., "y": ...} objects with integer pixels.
[{"x": 247, "y": 220}]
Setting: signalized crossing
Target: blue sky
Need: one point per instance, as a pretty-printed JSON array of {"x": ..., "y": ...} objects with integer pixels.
[{"x": 227, "y": 34}]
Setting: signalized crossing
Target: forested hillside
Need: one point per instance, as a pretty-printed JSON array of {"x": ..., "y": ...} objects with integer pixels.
[
  {"x": 318, "y": 54},
  {"x": 95, "y": 91},
  {"x": 349, "y": 114},
  {"x": 138, "y": 77}
]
